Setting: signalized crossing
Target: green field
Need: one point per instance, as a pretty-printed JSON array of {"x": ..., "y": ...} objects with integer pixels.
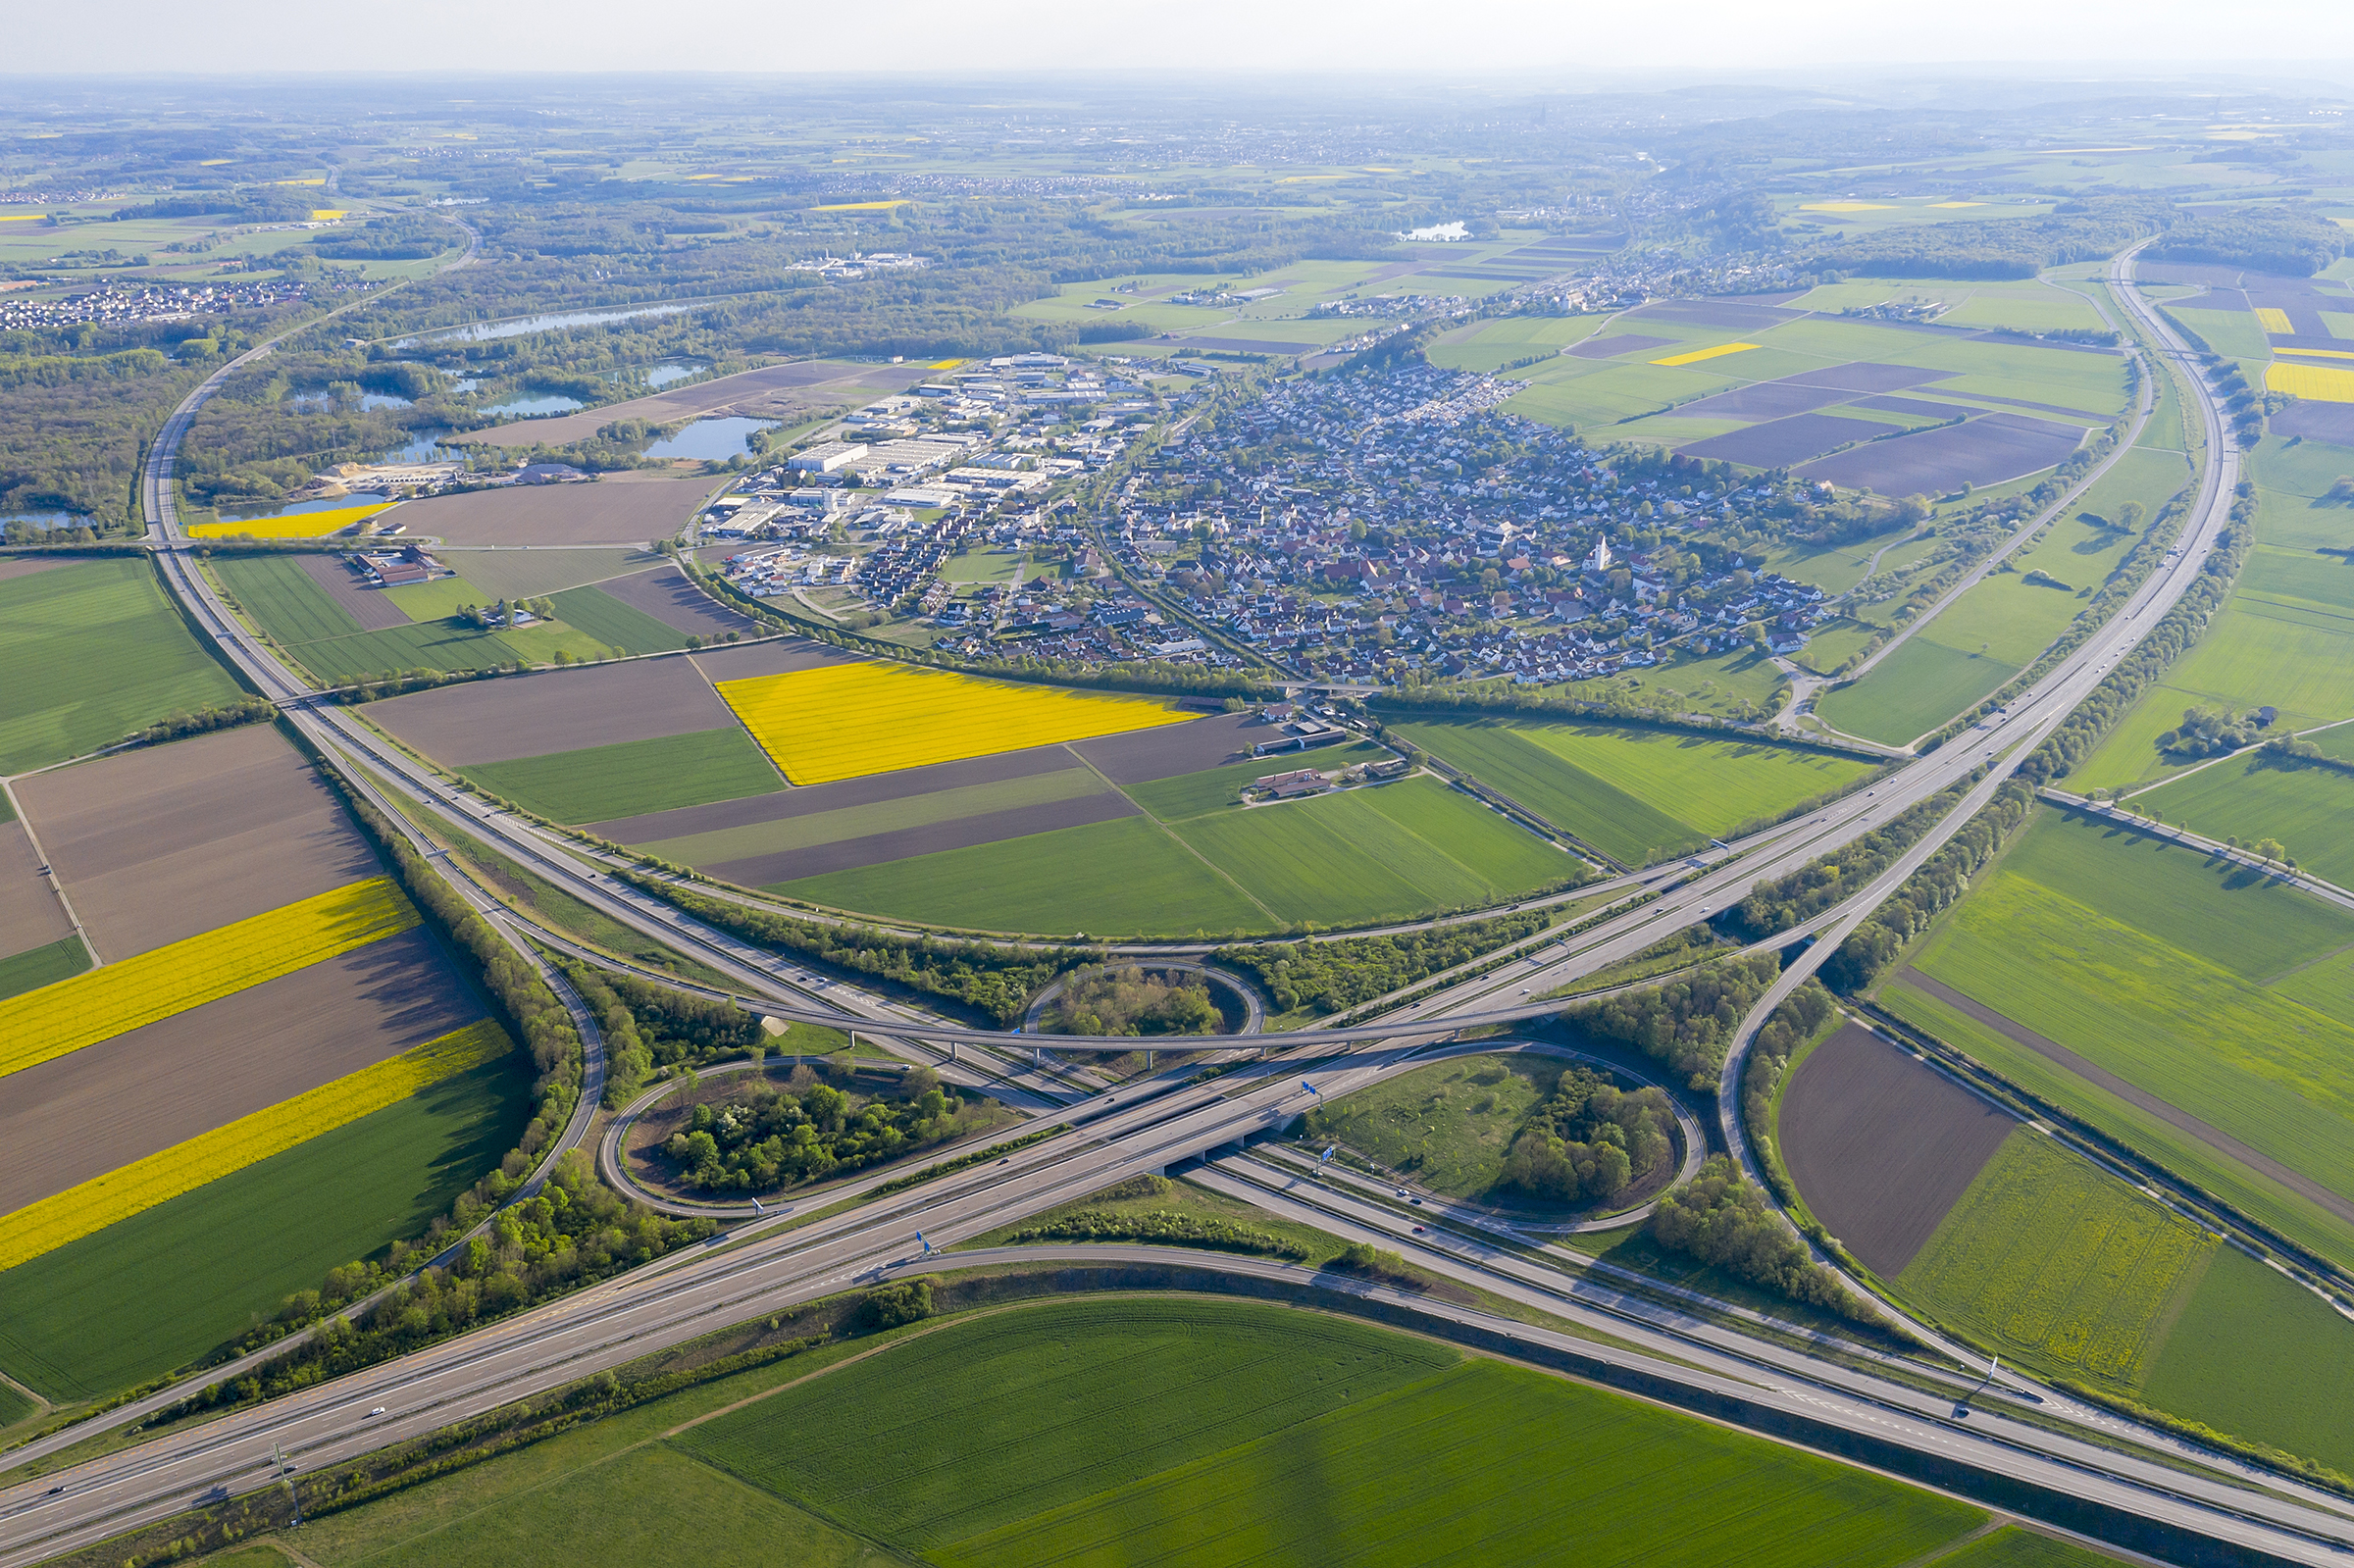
[
  {"x": 2232, "y": 333},
  {"x": 875, "y": 817},
  {"x": 2178, "y": 973},
  {"x": 163, "y": 1287},
  {"x": 1281, "y": 1436},
  {"x": 2261, "y": 1356},
  {"x": 437, "y": 600},
  {"x": 1118, "y": 877},
  {"x": 1384, "y": 852},
  {"x": 295, "y": 611},
  {"x": 88, "y": 652},
  {"x": 1912, "y": 691},
  {"x": 2014, "y": 1548},
  {"x": 1448, "y": 1125},
  {"x": 603, "y": 783},
  {"x": 13, "y": 1406},
  {"x": 1634, "y": 794},
  {"x": 1195, "y": 794},
  {"x": 531, "y": 574},
  {"x": 2052, "y": 1262},
  {"x": 36, "y": 967},
  {"x": 595, "y": 613},
  {"x": 2255, "y": 798}
]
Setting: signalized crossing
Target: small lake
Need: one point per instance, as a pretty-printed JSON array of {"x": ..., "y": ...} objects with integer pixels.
[
  {"x": 338, "y": 503},
  {"x": 425, "y": 446},
  {"x": 368, "y": 400},
  {"x": 664, "y": 375},
  {"x": 711, "y": 440},
  {"x": 526, "y": 405},
  {"x": 44, "y": 519},
  {"x": 383, "y": 400},
  {"x": 551, "y": 321}
]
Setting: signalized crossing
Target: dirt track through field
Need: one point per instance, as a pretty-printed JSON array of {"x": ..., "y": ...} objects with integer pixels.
[
  {"x": 162, "y": 843},
  {"x": 1880, "y": 1145},
  {"x": 624, "y": 509},
  {"x": 29, "y": 914},
  {"x": 2142, "y": 1100},
  {"x": 100, "y": 1107},
  {"x": 554, "y": 710},
  {"x": 665, "y": 594}
]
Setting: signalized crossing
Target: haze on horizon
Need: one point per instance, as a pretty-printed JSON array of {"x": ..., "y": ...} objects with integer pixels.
[{"x": 1517, "y": 39}]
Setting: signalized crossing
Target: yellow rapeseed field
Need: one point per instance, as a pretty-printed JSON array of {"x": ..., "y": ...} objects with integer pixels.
[
  {"x": 101, "y": 1004},
  {"x": 1696, "y": 355},
  {"x": 97, "y": 1203},
  {"x": 842, "y": 721},
  {"x": 2316, "y": 381},
  {"x": 2273, "y": 321},
  {"x": 299, "y": 525},
  {"x": 2318, "y": 353}
]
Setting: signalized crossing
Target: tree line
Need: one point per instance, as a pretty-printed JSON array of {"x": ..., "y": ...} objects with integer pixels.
[
  {"x": 1689, "y": 1022},
  {"x": 1773, "y": 907},
  {"x": 1332, "y": 976},
  {"x": 646, "y": 1024},
  {"x": 997, "y": 981},
  {"x": 2294, "y": 241},
  {"x": 1589, "y": 1140},
  {"x": 1126, "y": 1000},
  {"x": 1940, "y": 880},
  {"x": 2078, "y": 230},
  {"x": 1721, "y": 1218}
]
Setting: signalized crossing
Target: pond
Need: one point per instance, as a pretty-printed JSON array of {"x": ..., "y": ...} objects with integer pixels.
[
  {"x": 549, "y": 322},
  {"x": 338, "y": 503},
  {"x": 664, "y": 375},
  {"x": 383, "y": 400},
  {"x": 44, "y": 519},
  {"x": 526, "y": 405},
  {"x": 425, "y": 446},
  {"x": 711, "y": 440}
]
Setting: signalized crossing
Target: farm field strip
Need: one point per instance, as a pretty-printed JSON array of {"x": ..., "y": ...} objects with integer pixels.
[
  {"x": 95, "y": 1204},
  {"x": 89, "y": 651},
  {"x": 294, "y": 525},
  {"x": 633, "y": 778},
  {"x": 72, "y": 1013},
  {"x": 2048, "y": 1256}
]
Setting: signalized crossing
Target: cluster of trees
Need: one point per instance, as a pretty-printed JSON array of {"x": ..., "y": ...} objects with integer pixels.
[
  {"x": 1773, "y": 907},
  {"x": 2293, "y": 241},
  {"x": 227, "y": 716},
  {"x": 1330, "y": 976},
  {"x": 490, "y": 617},
  {"x": 2209, "y": 733},
  {"x": 401, "y": 239},
  {"x": 2176, "y": 631},
  {"x": 1998, "y": 247},
  {"x": 1127, "y": 1001},
  {"x": 572, "y": 1232},
  {"x": 1943, "y": 877},
  {"x": 2289, "y": 751},
  {"x": 1589, "y": 1140},
  {"x": 771, "y": 1135},
  {"x": 1160, "y": 1227},
  {"x": 2129, "y": 518},
  {"x": 995, "y": 980},
  {"x": 645, "y": 1024},
  {"x": 1688, "y": 1022},
  {"x": 1721, "y": 1218}
]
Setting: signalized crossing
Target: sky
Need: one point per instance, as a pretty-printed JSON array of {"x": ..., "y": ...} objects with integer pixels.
[{"x": 1566, "y": 43}]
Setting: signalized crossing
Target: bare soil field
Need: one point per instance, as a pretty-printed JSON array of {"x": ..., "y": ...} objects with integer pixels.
[
  {"x": 105, "y": 1105},
  {"x": 1984, "y": 451},
  {"x": 621, "y": 509},
  {"x": 374, "y": 609},
  {"x": 30, "y": 915},
  {"x": 1621, "y": 343},
  {"x": 163, "y": 843},
  {"x": 513, "y": 573},
  {"x": 2317, "y": 422},
  {"x": 1916, "y": 408},
  {"x": 1880, "y": 1145},
  {"x": 25, "y": 565},
  {"x": 773, "y": 391},
  {"x": 554, "y": 710},
  {"x": 811, "y": 799},
  {"x": 777, "y": 656},
  {"x": 665, "y": 594},
  {"x": 1762, "y": 400},
  {"x": 1143, "y": 755},
  {"x": 902, "y": 844},
  {"x": 1779, "y": 443}
]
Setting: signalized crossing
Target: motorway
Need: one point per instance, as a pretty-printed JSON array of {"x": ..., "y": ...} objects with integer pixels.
[{"x": 773, "y": 1261}]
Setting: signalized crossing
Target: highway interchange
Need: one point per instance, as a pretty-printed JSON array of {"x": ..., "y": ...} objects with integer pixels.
[{"x": 2018, "y": 1429}]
